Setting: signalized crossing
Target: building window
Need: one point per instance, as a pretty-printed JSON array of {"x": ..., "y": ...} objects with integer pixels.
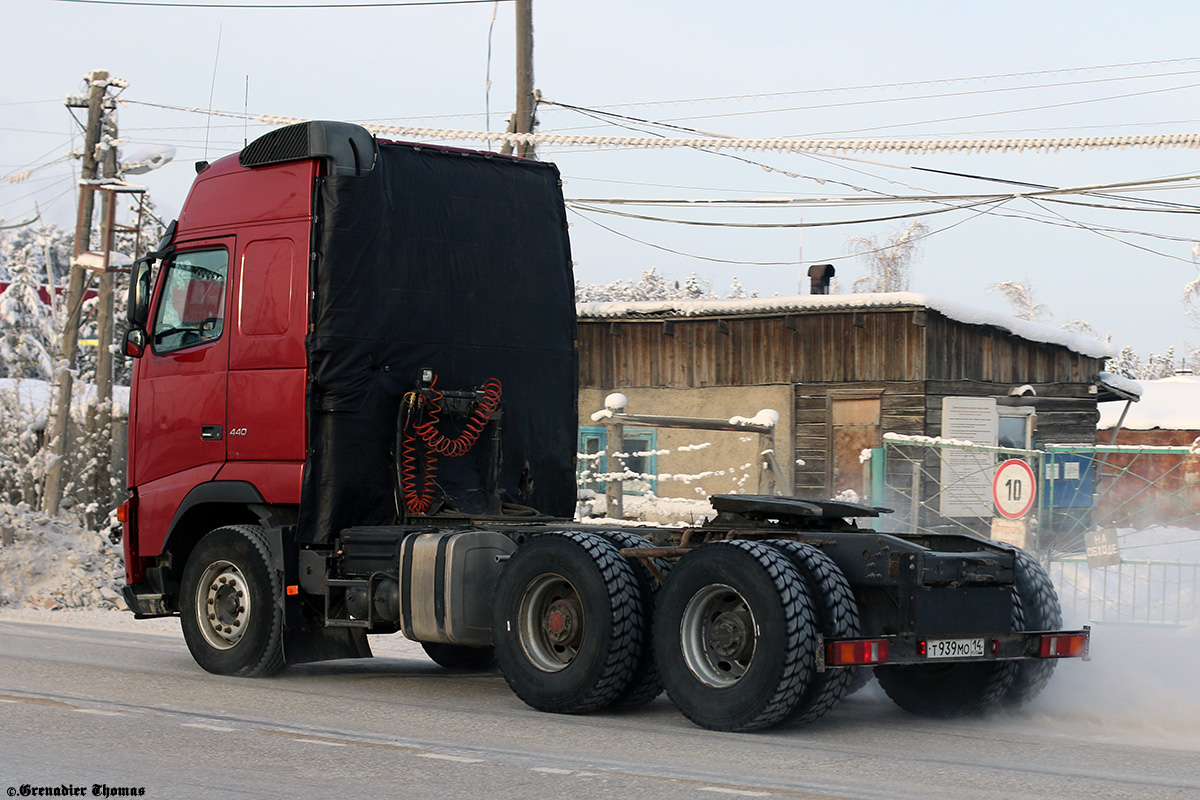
[
  {"x": 1014, "y": 426},
  {"x": 640, "y": 444}
]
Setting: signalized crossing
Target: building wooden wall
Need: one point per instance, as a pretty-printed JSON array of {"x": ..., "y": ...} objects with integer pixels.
[
  {"x": 910, "y": 358},
  {"x": 842, "y": 346}
]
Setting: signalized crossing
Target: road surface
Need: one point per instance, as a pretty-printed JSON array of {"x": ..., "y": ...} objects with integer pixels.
[{"x": 103, "y": 703}]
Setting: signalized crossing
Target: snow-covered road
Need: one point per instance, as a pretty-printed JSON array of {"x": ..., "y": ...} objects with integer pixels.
[{"x": 97, "y": 698}]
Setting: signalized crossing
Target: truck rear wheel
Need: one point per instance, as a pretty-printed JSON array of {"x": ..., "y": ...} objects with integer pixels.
[
  {"x": 231, "y": 620},
  {"x": 945, "y": 691},
  {"x": 568, "y": 622},
  {"x": 735, "y": 636},
  {"x": 837, "y": 618},
  {"x": 646, "y": 683},
  {"x": 1040, "y": 611}
]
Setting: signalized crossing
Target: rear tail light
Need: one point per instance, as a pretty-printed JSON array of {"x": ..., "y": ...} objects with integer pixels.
[
  {"x": 1068, "y": 645},
  {"x": 123, "y": 512},
  {"x": 862, "y": 651}
]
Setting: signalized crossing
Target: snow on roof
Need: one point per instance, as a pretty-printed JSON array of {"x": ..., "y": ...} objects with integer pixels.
[
  {"x": 1170, "y": 404},
  {"x": 1120, "y": 385},
  {"x": 959, "y": 312}
]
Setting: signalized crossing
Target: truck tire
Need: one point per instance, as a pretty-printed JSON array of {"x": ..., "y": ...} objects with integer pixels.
[
  {"x": 646, "y": 683},
  {"x": 568, "y": 622},
  {"x": 735, "y": 636},
  {"x": 459, "y": 657},
  {"x": 945, "y": 691},
  {"x": 229, "y": 610},
  {"x": 1041, "y": 612},
  {"x": 837, "y": 618}
]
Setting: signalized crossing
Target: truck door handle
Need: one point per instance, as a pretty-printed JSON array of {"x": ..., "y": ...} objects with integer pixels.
[{"x": 210, "y": 432}]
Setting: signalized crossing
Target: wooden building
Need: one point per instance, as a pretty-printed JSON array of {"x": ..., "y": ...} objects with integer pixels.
[{"x": 841, "y": 370}]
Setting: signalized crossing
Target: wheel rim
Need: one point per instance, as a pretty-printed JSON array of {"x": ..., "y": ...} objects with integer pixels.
[
  {"x": 223, "y": 604},
  {"x": 550, "y": 623},
  {"x": 717, "y": 634}
]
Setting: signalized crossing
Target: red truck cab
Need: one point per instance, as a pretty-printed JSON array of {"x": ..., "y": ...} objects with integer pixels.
[{"x": 218, "y": 392}]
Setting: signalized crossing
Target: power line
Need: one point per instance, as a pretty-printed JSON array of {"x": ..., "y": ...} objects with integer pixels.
[
  {"x": 945, "y": 95},
  {"x": 826, "y": 224},
  {"x": 724, "y": 142},
  {"x": 1099, "y": 232},
  {"x": 879, "y": 86},
  {"x": 282, "y": 5},
  {"x": 981, "y": 115},
  {"x": 825, "y": 259}
]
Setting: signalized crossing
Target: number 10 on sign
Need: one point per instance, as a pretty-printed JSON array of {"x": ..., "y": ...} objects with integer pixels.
[{"x": 1014, "y": 488}]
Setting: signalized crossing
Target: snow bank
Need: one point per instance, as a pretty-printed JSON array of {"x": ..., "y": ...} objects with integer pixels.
[
  {"x": 1169, "y": 403},
  {"x": 48, "y": 563},
  {"x": 959, "y": 312},
  {"x": 34, "y": 398}
]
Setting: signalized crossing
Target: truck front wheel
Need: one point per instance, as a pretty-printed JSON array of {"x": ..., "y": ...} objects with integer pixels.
[
  {"x": 231, "y": 620},
  {"x": 567, "y": 622}
]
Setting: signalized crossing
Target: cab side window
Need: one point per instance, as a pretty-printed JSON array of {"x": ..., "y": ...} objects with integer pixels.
[{"x": 191, "y": 310}]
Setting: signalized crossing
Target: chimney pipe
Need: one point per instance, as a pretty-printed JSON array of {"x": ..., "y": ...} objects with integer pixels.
[{"x": 820, "y": 275}]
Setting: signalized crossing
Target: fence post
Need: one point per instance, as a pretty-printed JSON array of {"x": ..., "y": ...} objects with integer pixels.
[
  {"x": 878, "y": 467},
  {"x": 916, "y": 492},
  {"x": 614, "y": 488}
]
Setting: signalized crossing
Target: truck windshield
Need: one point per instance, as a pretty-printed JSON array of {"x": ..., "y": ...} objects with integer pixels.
[{"x": 191, "y": 310}]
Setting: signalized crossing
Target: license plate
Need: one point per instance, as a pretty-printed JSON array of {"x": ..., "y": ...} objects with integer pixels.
[{"x": 953, "y": 648}]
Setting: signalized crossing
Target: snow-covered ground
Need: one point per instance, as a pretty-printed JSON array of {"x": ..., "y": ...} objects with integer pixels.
[
  {"x": 1140, "y": 687},
  {"x": 48, "y": 563}
]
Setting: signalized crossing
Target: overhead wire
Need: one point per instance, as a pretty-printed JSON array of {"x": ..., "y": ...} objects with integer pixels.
[
  {"x": 914, "y": 98},
  {"x": 380, "y": 4},
  {"x": 1092, "y": 229},
  {"x": 981, "y": 115},
  {"x": 903, "y": 85},
  {"x": 795, "y": 262}
]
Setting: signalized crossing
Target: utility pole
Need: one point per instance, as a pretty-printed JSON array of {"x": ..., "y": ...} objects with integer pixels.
[
  {"x": 104, "y": 337},
  {"x": 56, "y": 441},
  {"x": 525, "y": 116}
]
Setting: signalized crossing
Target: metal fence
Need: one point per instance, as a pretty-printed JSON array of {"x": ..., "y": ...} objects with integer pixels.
[
  {"x": 1146, "y": 498},
  {"x": 1131, "y": 593}
]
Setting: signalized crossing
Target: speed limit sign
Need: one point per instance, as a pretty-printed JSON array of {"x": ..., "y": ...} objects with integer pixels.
[{"x": 1014, "y": 488}]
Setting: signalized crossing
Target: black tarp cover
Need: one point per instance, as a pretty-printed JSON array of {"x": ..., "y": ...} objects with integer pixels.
[{"x": 455, "y": 261}]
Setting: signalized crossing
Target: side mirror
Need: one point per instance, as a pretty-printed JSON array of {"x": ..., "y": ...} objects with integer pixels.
[
  {"x": 138, "y": 308},
  {"x": 135, "y": 342}
]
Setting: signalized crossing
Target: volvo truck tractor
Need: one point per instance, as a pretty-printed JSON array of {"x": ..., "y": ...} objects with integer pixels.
[{"x": 353, "y": 414}]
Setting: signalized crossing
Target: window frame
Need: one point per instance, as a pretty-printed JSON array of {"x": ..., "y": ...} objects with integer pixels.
[
  {"x": 164, "y": 301},
  {"x": 646, "y": 436}
]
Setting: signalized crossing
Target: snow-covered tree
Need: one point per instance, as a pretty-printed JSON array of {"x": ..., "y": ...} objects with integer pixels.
[
  {"x": 889, "y": 262},
  {"x": 1019, "y": 295},
  {"x": 1081, "y": 328},
  {"x": 1128, "y": 364},
  {"x": 738, "y": 292},
  {"x": 27, "y": 328},
  {"x": 1159, "y": 365},
  {"x": 1191, "y": 292},
  {"x": 653, "y": 286}
]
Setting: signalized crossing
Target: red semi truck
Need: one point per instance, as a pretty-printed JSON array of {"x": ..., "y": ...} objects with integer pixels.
[{"x": 353, "y": 413}]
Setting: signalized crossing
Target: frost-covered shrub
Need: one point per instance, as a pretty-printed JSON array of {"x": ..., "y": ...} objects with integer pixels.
[{"x": 22, "y": 469}]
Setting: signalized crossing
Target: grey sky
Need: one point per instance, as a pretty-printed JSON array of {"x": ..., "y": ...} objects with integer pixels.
[{"x": 427, "y": 66}]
